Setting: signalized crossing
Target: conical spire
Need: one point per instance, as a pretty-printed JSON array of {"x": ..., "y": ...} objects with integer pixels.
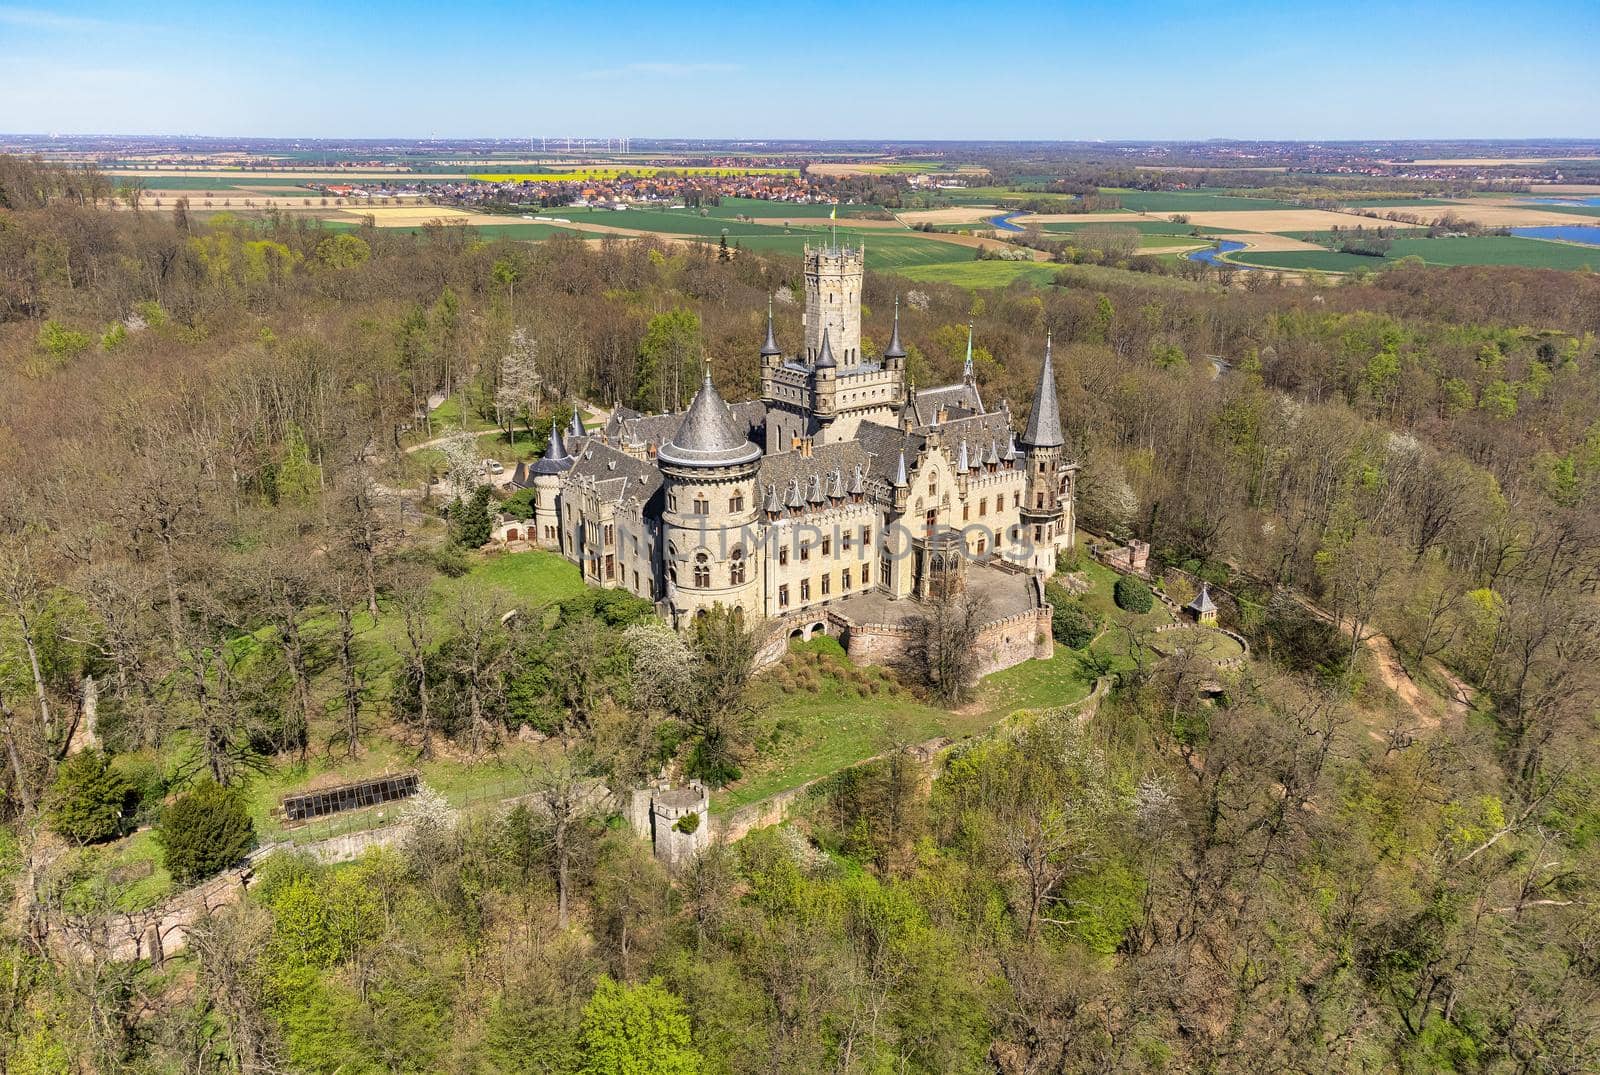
[
  {"x": 1011, "y": 449},
  {"x": 708, "y": 436},
  {"x": 794, "y": 494},
  {"x": 966, "y": 367},
  {"x": 770, "y": 348},
  {"x": 816, "y": 489},
  {"x": 900, "y": 472},
  {"x": 855, "y": 485},
  {"x": 994, "y": 455},
  {"x": 575, "y": 427},
  {"x": 961, "y": 459},
  {"x": 1044, "y": 421},
  {"x": 556, "y": 457},
  {"x": 836, "y": 485},
  {"x": 894, "y": 350},
  {"x": 825, "y": 355},
  {"x": 773, "y": 506}
]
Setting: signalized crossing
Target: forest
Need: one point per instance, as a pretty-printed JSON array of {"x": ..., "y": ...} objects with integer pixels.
[{"x": 1374, "y": 847}]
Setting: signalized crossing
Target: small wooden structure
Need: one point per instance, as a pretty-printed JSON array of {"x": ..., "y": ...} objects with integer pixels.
[{"x": 310, "y": 805}]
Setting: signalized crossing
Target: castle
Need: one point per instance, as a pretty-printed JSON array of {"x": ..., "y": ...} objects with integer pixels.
[{"x": 842, "y": 500}]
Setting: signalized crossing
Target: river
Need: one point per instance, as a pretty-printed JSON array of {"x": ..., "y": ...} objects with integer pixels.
[
  {"x": 1589, "y": 234},
  {"x": 1212, "y": 255}
]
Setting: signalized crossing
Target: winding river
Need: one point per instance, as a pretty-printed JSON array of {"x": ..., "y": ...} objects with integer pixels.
[
  {"x": 1003, "y": 222},
  {"x": 1212, "y": 255}
]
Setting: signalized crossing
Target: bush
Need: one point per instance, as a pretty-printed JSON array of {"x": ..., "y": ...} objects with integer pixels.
[
  {"x": 1132, "y": 595},
  {"x": 519, "y": 505},
  {"x": 1071, "y": 625},
  {"x": 90, "y": 801},
  {"x": 205, "y": 832}
]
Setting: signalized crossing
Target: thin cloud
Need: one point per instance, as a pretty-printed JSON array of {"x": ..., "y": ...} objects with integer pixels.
[
  {"x": 34, "y": 19},
  {"x": 665, "y": 69}
]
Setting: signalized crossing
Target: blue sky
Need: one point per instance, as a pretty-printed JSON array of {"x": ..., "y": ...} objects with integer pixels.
[{"x": 934, "y": 69}]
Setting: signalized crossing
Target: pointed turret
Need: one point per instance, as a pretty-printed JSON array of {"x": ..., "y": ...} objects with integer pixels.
[
  {"x": 994, "y": 455},
  {"x": 825, "y": 360},
  {"x": 795, "y": 500},
  {"x": 895, "y": 350},
  {"x": 966, "y": 367},
  {"x": 900, "y": 472},
  {"x": 575, "y": 427},
  {"x": 816, "y": 489},
  {"x": 961, "y": 459},
  {"x": 836, "y": 485},
  {"x": 773, "y": 505},
  {"x": 708, "y": 436},
  {"x": 1013, "y": 452},
  {"x": 770, "y": 348},
  {"x": 1044, "y": 421},
  {"x": 556, "y": 459},
  {"x": 856, "y": 488}
]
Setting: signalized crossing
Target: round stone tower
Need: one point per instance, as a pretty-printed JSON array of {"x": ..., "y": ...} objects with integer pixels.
[
  {"x": 681, "y": 824},
  {"x": 709, "y": 530},
  {"x": 546, "y": 475}
]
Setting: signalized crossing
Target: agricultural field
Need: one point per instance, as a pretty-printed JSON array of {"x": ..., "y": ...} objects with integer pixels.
[
  {"x": 886, "y": 251},
  {"x": 1476, "y": 250},
  {"x": 1185, "y": 201},
  {"x": 977, "y": 275},
  {"x": 580, "y": 175}
]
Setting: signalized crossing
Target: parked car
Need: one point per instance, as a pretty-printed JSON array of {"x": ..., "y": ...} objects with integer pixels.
[{"x": 493, "y": 466}]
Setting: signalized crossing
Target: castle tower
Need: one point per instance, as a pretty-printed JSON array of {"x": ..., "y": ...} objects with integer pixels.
[
  {"x": 711, "y": 543},
  {"x": 833, "y": 301},
  {"x": 1047, "y": 492},
  {"x": 546, "y": 474}
]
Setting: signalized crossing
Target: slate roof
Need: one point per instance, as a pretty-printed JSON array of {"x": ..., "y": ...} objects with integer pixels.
[
  {"x": 708, "y": 436},
  {"x": 957, "y": 400},
  {"x": 617, "y": 475},
  {"x": 1044, "y": 420},
  {"x": 630, "y": 427}
]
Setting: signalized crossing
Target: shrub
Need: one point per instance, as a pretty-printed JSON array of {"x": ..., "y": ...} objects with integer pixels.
[
  {"x": 1131, "y": 594},
  {"x": 90, "y": 801},
  {"x": 519, "y": 505},
  {"x": 688, "y": 823},
  {"x": 204, "y": 832},
  {"x": 1071, "y": 625}
]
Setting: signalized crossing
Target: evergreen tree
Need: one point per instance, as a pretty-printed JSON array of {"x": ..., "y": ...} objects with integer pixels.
[
  {"x": 205, "y": 832},
  {"x": 471, "y": 522},
  {"x": 90, "y": 800}
]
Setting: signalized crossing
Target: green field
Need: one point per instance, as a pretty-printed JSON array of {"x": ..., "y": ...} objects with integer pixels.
[
  {"x": 1143, "y": 227},
  {"x": 581, "y": 174},
  {"x": 1478, "y": 250},
  {"x": 981, "y": 274},
  {"x": 158, "y": 183},
  {"x": 665, "y": 221},
  {"x": 887, "y": 251},
  {"x": 757, "y": 207}
]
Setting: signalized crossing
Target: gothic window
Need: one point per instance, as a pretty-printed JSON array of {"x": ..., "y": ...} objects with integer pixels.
[
  {"x": 736, "y": 566},
  {"x": 611, "y": 533},
  {"x": 736, "y": 503},
  {"x": 702, "y": 506},
  {"x": 702, "y": 570}
]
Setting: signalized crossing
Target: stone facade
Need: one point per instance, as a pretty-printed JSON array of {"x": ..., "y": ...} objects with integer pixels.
[{"x": 841, "y": 481}]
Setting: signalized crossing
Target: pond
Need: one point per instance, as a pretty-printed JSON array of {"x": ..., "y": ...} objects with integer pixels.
[{"x": 1572, "y": 233}]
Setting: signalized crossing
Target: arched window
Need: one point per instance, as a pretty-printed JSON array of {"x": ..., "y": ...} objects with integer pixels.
[
  {"x": 736, "y": 566},
  {"x": 702, "y": 570}
]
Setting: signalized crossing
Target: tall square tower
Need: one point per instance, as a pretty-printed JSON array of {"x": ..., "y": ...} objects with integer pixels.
[{"x": 833, "y": 301}]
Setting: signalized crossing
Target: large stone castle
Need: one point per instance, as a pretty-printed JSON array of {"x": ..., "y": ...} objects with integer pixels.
[{"x": 842, "y": 500}]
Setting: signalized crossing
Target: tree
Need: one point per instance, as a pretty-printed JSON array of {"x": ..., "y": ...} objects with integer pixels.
[
  {"x": 204, "y": 832},
  {"x": 1132, "y": 595},
  {"x": 521, "y": 387},
  {"x": 1069, "y": 623},
  {"x": 471, "y": 525},
  {"x": 90, "y": 800},
  {"x": 668, "y": 357},
  {"x": 725, "y": 652},
  {"x": 943, "y": 653},
  {"x": 636, "y": 1030}
]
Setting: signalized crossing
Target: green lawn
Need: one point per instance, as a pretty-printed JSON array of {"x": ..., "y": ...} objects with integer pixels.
[
  {"x": 126, "y": 872},
  {"x": 756, "y": 207},
  {"x": 1202, "y": 641}
]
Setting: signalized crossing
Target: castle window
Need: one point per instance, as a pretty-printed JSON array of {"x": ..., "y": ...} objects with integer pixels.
[
  {"x": 827, "y": 582},
  {"x": 736, "y": 503},
  {"x": 866, "y": 574},
  {"x": 611, "y": 533},
  {"x": 736, "y": 566},
  {"x": 844, "y": 579},
  {"x": 966, "y": 512},
  {"x": 611, "y": 567},
  {"x": 783, "y": 596},
  {"x": 805, "y": 551},
  {"x": 866, "y": 537},
  {"x": 702, "y": 506},
  {"x": 805, "y": 589},
  {"x": 783, "y": 555},
  {"x": 844, "y": 542},
  {"x": 983, "y": 507},
  {"x": 1016, "y": 500},
  {"x": 827, "y": 546},
  {"x": 702, "y": 570}
]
